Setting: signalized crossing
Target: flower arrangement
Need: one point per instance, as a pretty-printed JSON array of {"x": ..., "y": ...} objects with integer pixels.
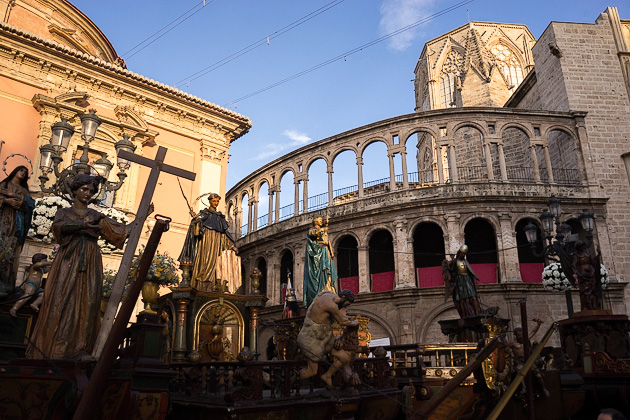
[
  {"x": 163, "y": 270},
  {"x": 114, "y": 214},
  {"x": 108, "y": 283},
  {"x": 43, "y": 216},
  {"x": 605, "y": 279},
  {"x": 553, "y": 278}
]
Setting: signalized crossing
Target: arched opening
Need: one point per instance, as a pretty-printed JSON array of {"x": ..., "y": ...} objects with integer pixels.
[
  {"x": 381, "y": 255},
  {"x": 564, "y": 161},
  {"x": 482, "y": 249},
  {"x": 244, "y": 214},
  {"x": 317, "y": 185},
  {"x": 287, "y": 196},
  {"x": 518, "y": 157},
  {"x": 261, "y": 264},
  {"x": 345, "y": 187},
  {"x": 428, "y": 254},
  {"x": 421, "y": 160},
  {"x": 530, "y": 265},
  {"x": 348, "y": 263},
  {"x": 470, "y": 155},
  {"x": 375, "y": 169},
  {"x": 286, "y": 273},
  {"x": 264, "y": 217}
]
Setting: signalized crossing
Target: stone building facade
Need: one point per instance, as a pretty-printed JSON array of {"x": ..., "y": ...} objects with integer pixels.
[
  {"x": 495, "y": 136},
  {"x": 55, "y": 62}
]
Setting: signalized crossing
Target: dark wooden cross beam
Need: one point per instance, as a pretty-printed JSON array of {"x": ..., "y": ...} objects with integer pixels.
[{"x": 156, "y": 166}]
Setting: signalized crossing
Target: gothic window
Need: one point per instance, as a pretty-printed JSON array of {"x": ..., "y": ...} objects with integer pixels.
[
  {"x": 451, "y": 69},
  {"x": 509, "y": 65}
]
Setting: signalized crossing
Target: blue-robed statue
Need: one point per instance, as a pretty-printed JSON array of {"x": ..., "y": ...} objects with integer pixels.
[{"x": 319, "y": 269}]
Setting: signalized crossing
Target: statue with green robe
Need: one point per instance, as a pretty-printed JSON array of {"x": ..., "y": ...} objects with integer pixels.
[{"x": 320, "y": 272}]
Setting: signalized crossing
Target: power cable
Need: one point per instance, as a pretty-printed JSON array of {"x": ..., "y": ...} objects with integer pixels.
[
  {"x": 351, "y": 52},
  {"x": 196, "y": 6},
  {"x": 259, "y": 43}
]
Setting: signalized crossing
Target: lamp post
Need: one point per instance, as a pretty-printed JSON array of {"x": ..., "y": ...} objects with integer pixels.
[
  {"x": 51, "y": 157},
  {"x": 562, "y": 246}
]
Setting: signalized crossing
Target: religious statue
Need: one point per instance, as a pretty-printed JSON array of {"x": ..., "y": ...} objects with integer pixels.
[
  {"x": 211, "y": 248},
  {"x": 519, "y": 356},
  {"x": 16, "y": 210},
  {"x": 459, "y": 282},
  {"x": 316, "y": 338},
  {"x": 320, "y": 272},
  {"x": 32, "y": 285},
  {"x": 69, "y": 318},
  {"x": 587, "y": 274}
]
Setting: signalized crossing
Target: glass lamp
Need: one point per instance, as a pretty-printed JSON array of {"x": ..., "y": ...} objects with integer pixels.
[
  {"x": 586, "y": 218},
  {"x": 126, "y": 145},
  {"x": 89, "y": 124},
  {"x": 554, "y": 206},
  {"x": 531, "y": 232},
  {"x": 61, "y": 134},
  {"x": 547, "y": 221},
  {"x": 102, "y": 167}
]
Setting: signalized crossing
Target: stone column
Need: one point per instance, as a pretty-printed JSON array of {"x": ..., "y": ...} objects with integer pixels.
[
  {"x": 392, "y": 172},
  {"x": 532, "y": 148},
  {"x": 238, "y": 214},
  {"x": 296, "y": 206},
  {"x": 255, "y": 215},
  {"x": 273, "y": 279},
  {"x": 453, "y": 163},
  {"x": 250, "y": 204},
  {"x": 486, "y": 146},
  {"x": 360, "y": 175},
  {"x": 364, "y": 269},
  {"x": 405, "y": 308},
  {"x": 330, "y": 171},
  {"x": 305, "y": 196},
  {"x": 504, "y": 176},
  {"x": 452, "y": 228},
  {"x": 440, "y": 167},
  {"x": 403, "y": 156},
  {"x": 548, "y": 162},
  {"x": 277, "y": 217},
  {"x": 508, "y": 258},
  {"x": 403, "y": 257},
  {"x": 298, "y": 274},
  {"x": 582, "y": 144},
  {"x": 270, "y": 212}
]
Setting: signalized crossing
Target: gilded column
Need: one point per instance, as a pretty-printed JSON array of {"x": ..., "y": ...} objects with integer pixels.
[
  {"x": 253, "y": 329},
  {"x": 180, "y": 348}
]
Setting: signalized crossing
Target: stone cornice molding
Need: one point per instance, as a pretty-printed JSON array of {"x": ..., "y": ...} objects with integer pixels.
[{"x": 81, "y": 68}]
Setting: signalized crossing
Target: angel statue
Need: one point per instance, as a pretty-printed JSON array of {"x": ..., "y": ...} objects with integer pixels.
[{"x": 459, "y": 282}]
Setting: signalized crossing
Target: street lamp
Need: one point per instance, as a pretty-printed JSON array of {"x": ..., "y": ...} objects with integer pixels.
[
  {"x": 563, "y": 245},
  {"x": 51, "y": 157}
]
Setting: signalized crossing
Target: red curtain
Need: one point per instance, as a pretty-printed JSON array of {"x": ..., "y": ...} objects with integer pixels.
[
  {"x": 382, "y": 282},
  {"x": 350, "y": 283},
  {"x": 531, "y": 272}
]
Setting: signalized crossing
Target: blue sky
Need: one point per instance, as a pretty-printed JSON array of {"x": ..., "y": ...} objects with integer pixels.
[{"x": 367, "y": 86}]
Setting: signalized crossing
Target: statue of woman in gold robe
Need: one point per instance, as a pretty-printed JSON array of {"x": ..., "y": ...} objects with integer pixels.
[{"x": 211, "y": 249}]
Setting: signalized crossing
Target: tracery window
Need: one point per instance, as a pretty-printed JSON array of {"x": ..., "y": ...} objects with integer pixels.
[
  {"x": 451, "y": 69},
  {"x": 509, "y": 65}
]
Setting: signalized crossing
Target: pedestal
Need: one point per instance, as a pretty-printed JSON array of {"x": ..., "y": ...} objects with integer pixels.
[{"x": 473, "y": 329}]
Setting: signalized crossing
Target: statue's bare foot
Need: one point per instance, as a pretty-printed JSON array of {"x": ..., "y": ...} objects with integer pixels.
[
  {"x": 35, "y": 307},
  {"x": 13, "y": 312},
  {"x": 328, "y": 381}
]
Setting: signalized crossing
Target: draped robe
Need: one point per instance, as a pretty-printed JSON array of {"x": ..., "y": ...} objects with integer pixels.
[{"x": 69, "y": 319}]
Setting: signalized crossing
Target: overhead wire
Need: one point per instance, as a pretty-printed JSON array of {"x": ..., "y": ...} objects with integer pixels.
[
  {"x": 199, "y": 6},
  {"x": 261, "y": 42},
  {"x": 346, "y": 54}
]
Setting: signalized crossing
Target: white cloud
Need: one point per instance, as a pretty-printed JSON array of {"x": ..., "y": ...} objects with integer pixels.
[
  {"x": 273, "y": 149},
  {"x": 396, "y": 14},
  {"x": 296, "y": 136}
]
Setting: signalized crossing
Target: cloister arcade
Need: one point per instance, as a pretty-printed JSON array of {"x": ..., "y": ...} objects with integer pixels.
[{"x": 474, "y": 175}]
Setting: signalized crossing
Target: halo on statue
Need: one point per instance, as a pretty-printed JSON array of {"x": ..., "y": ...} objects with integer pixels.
[
  {"x": 65, "y": 178},
  {"x": 12, "y": 155},
  {"x": 203, "y": 200}
]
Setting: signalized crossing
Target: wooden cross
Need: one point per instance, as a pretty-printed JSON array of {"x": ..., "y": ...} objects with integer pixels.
[{"x": 156, "y": 166}]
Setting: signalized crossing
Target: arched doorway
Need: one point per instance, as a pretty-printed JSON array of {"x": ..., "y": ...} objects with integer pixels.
[
  {"x": 348, "y": 263},
  {"x": 428, "y": 254},
  {"x": 286, "y": 273},
  {"x": 381, "y": 255},
  {"x": 482, "y": 250}
]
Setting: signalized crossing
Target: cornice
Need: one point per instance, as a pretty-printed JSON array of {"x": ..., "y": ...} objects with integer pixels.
[{"x": 232, "y": 124}]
